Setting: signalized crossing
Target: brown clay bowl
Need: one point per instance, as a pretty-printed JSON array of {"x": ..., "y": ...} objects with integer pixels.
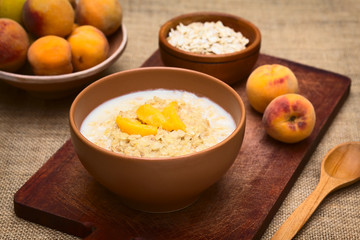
[
  {"x": 58, "y": 86},
  {"x": 157, "y": 184},
  {"x": 231, "y": 67}
]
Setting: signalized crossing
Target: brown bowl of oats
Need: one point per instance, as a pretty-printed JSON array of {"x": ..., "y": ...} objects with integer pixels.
[
  {"x": 157, "y": 137},
  {"x": 222, "y": 45}
]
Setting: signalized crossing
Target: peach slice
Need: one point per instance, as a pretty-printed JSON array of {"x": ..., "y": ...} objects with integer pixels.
[
  {"x": 150, "y": 115},
  {"x": 173, "y": 120},
  {"x": 151, "y": 119},
  {"x": 133, "y": 126}
]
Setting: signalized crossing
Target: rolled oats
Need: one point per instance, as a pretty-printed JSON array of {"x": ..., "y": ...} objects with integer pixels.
[{"x": 207, "y": 38}]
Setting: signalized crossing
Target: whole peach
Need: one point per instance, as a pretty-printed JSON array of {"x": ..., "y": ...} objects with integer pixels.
[
  {"x": 289, "y": 118},
  {"x": 89, "y": 47},
  {"x": 14, "y": 43},
  {"x": 267, "y": 82},
  {"x": 50, "y": 55},
  {"x": 106, "y": 15},
  {"x": 55, "y": 17}
]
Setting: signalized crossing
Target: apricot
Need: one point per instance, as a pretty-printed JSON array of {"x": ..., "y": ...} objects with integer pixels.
[
  {"x": 106, "y": 15},
  {"x": 289, "y": 118},
  {"x": 89, "y": 47},
  {"x": 14, "y": 43},
  {"x": 267, "y": 82},
  {"x": 50, "y": 55},
  {"x": 55, "y": 17}
]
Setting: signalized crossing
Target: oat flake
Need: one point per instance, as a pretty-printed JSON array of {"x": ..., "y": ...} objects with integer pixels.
[{"x": 207, "y": 38}]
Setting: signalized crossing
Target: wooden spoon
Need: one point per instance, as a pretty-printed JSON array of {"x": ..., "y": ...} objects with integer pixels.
[{"x": 339, "y": 168}]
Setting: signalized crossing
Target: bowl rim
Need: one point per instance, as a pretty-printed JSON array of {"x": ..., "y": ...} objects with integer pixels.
[
  {"x": 36, "y": 79},
  {"x": 249, "y": 50},
  {"x": 84, "y": 140}
]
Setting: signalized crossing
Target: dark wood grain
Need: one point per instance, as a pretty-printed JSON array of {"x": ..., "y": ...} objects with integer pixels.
[{"x": 63, "y": 196}]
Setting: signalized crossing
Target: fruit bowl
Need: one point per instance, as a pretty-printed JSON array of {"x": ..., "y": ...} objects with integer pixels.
[
  {"x": 157, "y": 184},
  {"x": 228, "y": 67},
  {"x": 57, "y": 86}
]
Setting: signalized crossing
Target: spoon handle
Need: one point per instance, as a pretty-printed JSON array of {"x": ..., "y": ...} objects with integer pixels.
[{"x": 302, "y": 213}]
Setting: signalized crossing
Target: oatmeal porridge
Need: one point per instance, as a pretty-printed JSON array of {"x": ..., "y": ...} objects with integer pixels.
[{"x": 158, "y": 123}]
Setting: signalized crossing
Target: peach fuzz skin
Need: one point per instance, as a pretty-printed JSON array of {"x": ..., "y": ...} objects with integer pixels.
[
  {"x": 14, "y": 43},
  {"x": 289, "y": 118},
  {"x": 89, "y": 47},
  {"x": 267, "y": 82},
  {"x": 105, "y": 15},
  {"x": 50, "y": 55},
  {"x": 55, "y": 17}
]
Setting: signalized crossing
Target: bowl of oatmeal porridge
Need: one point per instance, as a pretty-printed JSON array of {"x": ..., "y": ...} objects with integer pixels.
[
  {"x": 158, "y": 136},
  {"x": 219, "y": 44}
]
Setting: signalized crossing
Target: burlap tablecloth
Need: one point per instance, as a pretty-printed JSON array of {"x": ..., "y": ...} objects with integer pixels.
[{"x": 320, "y": 33}]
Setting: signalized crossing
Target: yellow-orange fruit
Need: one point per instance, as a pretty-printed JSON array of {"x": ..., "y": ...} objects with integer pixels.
[
  {"x": 173, "y": 120},
  {"x": 14, "y": 43},
  {"x": 105, "y": 15},
  {"x": 50, "y": 55},
  {"x": 150, "y": 115},
  {"x": 168, "y": 119},
  {"x": 289, "y": 118},
  {"x": 267, "y": 82},
  {"x": 133, "y": 126},
  {"x": 44, "y": 17},
  {"x": 89, "y": 47}
]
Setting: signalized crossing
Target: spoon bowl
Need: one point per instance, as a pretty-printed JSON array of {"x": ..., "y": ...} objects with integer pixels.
[
  {"x": 343, "y": 162},
  {"x": 339, "y": 168}
]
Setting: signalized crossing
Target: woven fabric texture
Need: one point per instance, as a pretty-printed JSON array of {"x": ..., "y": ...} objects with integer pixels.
[{"x": 321, "y": 33}]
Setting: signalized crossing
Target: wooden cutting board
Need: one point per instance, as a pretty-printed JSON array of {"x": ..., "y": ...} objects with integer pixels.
[{"x": 63, "y": 196}]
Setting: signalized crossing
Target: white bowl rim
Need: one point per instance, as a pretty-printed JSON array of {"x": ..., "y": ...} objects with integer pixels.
[{"x": 35, "y": 79}]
